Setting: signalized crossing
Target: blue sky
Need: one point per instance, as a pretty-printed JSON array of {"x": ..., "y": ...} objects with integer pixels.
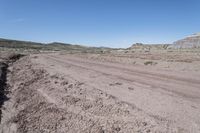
[{"x": 113, "y": 23}]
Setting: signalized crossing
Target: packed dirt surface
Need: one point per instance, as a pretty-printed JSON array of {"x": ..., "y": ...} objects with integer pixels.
[
  {"x": 68, "y": 93},
  {"x": 183, "y": 61}
]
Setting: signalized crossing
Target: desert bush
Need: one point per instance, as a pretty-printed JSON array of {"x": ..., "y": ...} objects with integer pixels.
[
  {"x": 150, "y": 63},
  {"x": 165, "y": 46},
  {"x": 14, "y": 56}
]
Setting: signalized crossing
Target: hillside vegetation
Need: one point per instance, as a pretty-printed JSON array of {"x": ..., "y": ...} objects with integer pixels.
[{"x": 55, "y": 46}]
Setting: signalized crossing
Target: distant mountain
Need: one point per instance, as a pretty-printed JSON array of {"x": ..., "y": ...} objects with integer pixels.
[
  {"x": 192, "y": 41},
  {"x": 55, "y": 46},
  {"x": 19, "y": 44}
]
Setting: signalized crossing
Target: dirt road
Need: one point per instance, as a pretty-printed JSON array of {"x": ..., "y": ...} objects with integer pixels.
[{"x": 103, "y": 97}]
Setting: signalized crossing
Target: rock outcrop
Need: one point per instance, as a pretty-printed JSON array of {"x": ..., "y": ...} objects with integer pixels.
[{"x": 192, "y": 41}]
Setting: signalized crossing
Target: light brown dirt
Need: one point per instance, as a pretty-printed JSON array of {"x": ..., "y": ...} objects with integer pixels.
[{"x": 66, "y": 93}]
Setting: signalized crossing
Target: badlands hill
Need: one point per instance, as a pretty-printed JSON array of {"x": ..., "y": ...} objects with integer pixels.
[{"x": 192, "y": 41}]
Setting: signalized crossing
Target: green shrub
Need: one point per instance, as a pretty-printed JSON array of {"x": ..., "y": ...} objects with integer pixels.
[{"x": 150, "y": 63}]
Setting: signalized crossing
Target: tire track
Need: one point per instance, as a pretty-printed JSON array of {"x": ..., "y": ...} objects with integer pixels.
[{"x": 177, "y": 87}]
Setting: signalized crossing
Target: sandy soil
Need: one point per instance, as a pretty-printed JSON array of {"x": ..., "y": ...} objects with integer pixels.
[{"x": 67, "y": 93}]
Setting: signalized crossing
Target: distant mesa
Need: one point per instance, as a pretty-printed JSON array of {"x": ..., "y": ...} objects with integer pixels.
[
  {"x": 148, "y": 47},
  {"x": 192, "y": 41}
]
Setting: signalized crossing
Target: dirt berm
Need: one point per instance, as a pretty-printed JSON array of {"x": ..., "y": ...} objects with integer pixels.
[{"x": 3, "y": 70}]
